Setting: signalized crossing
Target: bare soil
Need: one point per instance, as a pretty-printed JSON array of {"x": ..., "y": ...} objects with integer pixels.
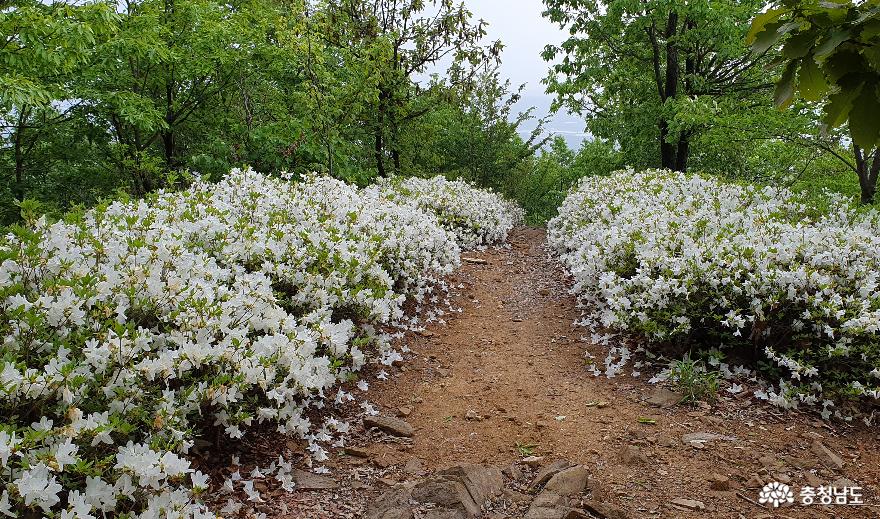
[{"x": 506, "y": 378}]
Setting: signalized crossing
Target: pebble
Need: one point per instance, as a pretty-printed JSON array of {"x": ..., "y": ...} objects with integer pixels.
[
  {"x": 390, "y": 425},
  {"x": 690, "y": 504}
]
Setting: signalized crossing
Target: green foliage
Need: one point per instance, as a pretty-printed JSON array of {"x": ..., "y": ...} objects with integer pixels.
[
  {"x": 693, "y": 380},
  {"x": 540, "y": 184},
  {"x": 106, "y": 98},
  {"x": 831, "y": 52},
  {"x": 655, "y": 76}
]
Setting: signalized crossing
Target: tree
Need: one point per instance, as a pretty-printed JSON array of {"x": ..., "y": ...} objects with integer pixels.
[
  {"x": 402, "y": 38},
  {"x": 831, "y": 53},
  {"x": 639, "y": 69},
  {"x": 44, "y": 48},
  {"x": 171, "y": 60},
  {"x": 471, "y": 130}
]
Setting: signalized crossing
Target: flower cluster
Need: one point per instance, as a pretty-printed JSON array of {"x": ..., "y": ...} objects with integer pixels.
[
  {"x": 133, "y": 329},
  {"x": 474, "y": 216},
  {"x": 684, "y": 258}
]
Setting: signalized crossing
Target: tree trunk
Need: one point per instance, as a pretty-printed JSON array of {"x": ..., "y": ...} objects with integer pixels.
[
  {"x": 682, "y": 152},
  {"x": 18, "y": 189},
  {"x": 868, "y": 168},
  {"x": 668, "y": 154},
  {"x": 168, "y": 146},
  {"x": 667, "y": 150}
]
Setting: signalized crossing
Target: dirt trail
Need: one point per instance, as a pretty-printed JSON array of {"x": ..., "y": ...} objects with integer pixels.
[{"x": 507, "y": 377}]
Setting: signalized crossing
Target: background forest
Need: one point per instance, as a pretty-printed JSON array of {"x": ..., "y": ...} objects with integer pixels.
[{"x": 102, "y": 99}]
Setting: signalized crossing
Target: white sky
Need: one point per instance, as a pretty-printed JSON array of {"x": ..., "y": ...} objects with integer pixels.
[{"x": 524, "y": 32}]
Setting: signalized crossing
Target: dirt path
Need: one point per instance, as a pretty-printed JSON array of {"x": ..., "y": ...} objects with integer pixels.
[{"x": 506, "y": 378}]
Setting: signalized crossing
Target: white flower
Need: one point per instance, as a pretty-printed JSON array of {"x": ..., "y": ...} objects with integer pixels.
[
  {"x": 658, "y": 254},
  {"x": 8, "y": 442},
  {"x": 38, "y": 486},
  {"x": 100, "y": 494},
  {"x": 199, "y": 480},
  {"x": 253, "y": 494},
  {"x": 215, "y": 306},
  {"x": 65, "y": 454},
  {"x": 5, "y": 508}
]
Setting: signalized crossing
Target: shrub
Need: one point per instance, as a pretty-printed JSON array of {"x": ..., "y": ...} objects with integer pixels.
[
  {"x": 473, "y": 216},
  {"x": 135, "y": 328},
  {"x": 686, "y": 259}
]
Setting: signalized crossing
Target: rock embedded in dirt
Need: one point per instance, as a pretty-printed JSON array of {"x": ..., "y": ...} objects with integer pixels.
[
  {"x": 548, "y": 505},
  {"x": 513, "y": 472},
  {"x": 569, "y": 482},
  {"x": 446, "y": 493},
  {"x": 604, "y": 510},
  {"x": 802, "y": 463},
  {"x": 719, "y": 482},
  {"x": 309, "y": 481},
  {"x": 404, "y": 411},
  {"x": 516, "y": 497},
  {"x": 393, "y": 504},
  {"x": 826, "y": 456},
  {"x": 689, "y": 504},
  {"x": 666, "y": 441},
  {"x": 473, "y": 416},
  {"x": 481, "y": 482},
  {"x": 755, "y": 481},
  {"x": 390, "y": 425},
  {"x": 814, "y": 480},
  {"x": 844, "y": 483},
  {"x": 548, "y": 472},
  {"x": 769, "y": 462},
  {"x": 533, "y": 461},
  {"x": 662, "y": 397},
  {"x": 413, "y": 466},
  {"x": 357, "y": 452},
  {"x": 632, "y": 455}
]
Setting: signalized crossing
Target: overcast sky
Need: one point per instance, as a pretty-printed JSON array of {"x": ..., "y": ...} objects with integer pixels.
[{"x": 524, "y": 32}]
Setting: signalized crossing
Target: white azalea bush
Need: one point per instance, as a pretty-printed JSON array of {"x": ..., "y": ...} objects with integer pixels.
[
  {"x": 475, "y": 217},
  {"x": 135, "y": 328},
  {"x": 679, "y": 258}
]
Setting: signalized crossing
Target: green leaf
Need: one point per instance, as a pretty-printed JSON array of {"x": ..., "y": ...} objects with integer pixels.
[
  {"x": 833, "y": 41},
  {"x": 864, "y": 123},
  {"x": 839, "y": 105},
  {"x": 870, "y": 30},
  {"x": 799, "y": 45},
  {"x": 872, "y": 54},
  {"x": 811, "y": 80},
  {"x": 759, "y": 24},
  {"x": 768, "y": 38},
  {"x": 785, "y": 88},
  {"x": 844, "y": 63}
]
